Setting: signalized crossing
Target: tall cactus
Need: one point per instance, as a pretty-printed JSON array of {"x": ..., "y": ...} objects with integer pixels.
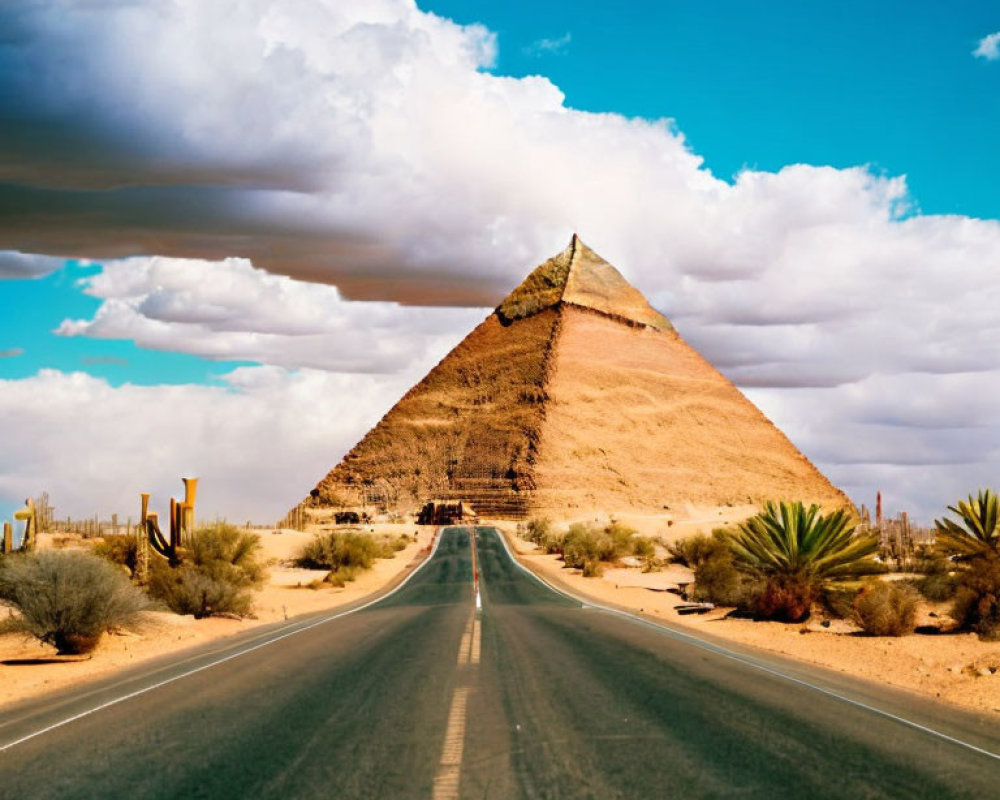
[
  {"x": 30, "y": 524},
  {"x": 190, "y": 493},
  {"x": 29, "y": 516},
  {"x": 181, "y": 521}
]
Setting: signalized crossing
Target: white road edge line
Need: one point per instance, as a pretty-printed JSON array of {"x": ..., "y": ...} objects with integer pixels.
[
  {"x": 734, "y": 656},
  {"x": 223, "y": 660}
]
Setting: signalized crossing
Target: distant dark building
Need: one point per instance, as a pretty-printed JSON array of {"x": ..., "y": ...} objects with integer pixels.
[{"x": 438, "y": 512}]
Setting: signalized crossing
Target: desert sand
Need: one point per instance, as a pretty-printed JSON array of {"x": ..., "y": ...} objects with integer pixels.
[
  {"x": 957, "y": 669},
  {"x": 29, "y": 668}
]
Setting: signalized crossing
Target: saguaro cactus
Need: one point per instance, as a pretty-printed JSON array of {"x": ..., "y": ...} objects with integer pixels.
[
  {"x": 30, "y": 524},
  {"x": 190, "y": 493},
  {"x": 181, "y": 521},
  {"x": 29, "y": 516}
]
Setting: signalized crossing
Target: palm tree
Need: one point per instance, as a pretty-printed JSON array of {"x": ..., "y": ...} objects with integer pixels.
[
  {"x": 794, "y": 551},
  {"x": 976, "y": 533}
]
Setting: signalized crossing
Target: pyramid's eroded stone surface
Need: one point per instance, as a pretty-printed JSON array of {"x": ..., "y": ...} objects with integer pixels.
[{"x": 574, "y": 397}]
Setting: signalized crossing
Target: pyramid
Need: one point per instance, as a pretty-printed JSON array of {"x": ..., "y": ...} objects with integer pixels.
[{"x": 574, "y": 396}]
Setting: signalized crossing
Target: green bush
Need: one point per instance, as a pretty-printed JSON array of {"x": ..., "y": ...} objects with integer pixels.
[
  {"x": 886, "y": 608},
  {"x": 592, "y": 569},
  {"x": 717, "y": 581},
  {"x": 216, "y": 576},
  {"x": 977, "y": 531},
  {"x": 794, "y": 552},
  {"x": 938, "y": 583},
  {"x": 340, "y": 549},
  {"x": 68, "y": 598},
  {"x": 643, "y": 547},
  {"x": 586, "y": 546},
  {"x": 347, "y": 553},
  {"x": 538, "y": 530},
  {"x": 584, "y": 543},
  {"x": 341, "y": 576},
  {"x": 693, "y": 550},
  {"x": 120, "y": 549},
  {"x": 977, "y": 601}
]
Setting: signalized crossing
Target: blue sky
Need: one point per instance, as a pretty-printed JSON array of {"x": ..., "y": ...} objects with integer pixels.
[
  {"x": 748, "y": 85},
  {"x": 33, "y": 309},
  {"x": 769, "y": 84},
  {"x": 808, "y": 219}
]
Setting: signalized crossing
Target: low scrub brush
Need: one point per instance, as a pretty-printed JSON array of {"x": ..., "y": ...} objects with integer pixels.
[
  {"x": 120, "y": 549},
  {"x": 68, "y": 598},
  {"x": 346, "y": 549},
  {"x": 217, "y": 576},
  {"x": 977, "y": 600},
  {"x": 694, "y": 550},
  {"x": 886, "y": 608}
]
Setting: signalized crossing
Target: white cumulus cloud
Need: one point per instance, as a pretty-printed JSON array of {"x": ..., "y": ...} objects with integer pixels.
[
  {"x": 232, "y": 311},
  {"x": 988, "y": 47},
  {"x": 367, "y": 146},
  {"x": 554, "y": 45},
  {"x": 258, "y": 444}
]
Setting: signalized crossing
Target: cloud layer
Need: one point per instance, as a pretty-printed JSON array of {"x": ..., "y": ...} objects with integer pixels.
[
  {"x": 368, "y": 147},
  {"x": 258, "y": 444},
  {"x": 232, "y": 311}
]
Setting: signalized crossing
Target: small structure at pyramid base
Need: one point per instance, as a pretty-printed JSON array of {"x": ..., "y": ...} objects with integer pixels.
[
  {"x": 574, "y": 397},
  {"x": 446, "y": 512}
]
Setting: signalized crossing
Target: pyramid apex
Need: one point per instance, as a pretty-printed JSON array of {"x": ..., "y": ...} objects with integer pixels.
[{"x": 578, "y": 276}]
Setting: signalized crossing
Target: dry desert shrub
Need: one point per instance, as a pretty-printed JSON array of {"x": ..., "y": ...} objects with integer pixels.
[
  {"x": 886, "y": 608},
  {"x": 693, "y": 550},
  {"x": 120, "y": 549},
  {"x": 716, "y": 579},
  {"x": 217, "y": 575},
  {"x": 347, "y": 549},
  {"x": 972, "y": 542},
  {"x": 347, "y": 553},
  {"x": 68, "y": 598},
  {"x": 939, "y": 582},
  {"x": 588, "y": 546},
  {"x": 977, "y": 601}
]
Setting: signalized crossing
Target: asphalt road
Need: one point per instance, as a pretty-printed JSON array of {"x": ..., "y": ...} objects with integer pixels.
[{"x": 534, "y": 695}]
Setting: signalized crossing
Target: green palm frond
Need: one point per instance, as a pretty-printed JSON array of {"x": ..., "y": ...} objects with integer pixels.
[
  {"x": 788, "y": 539},
  {"x": 976, "y": 531}
]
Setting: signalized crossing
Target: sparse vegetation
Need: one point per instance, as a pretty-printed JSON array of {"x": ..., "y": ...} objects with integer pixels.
[
  {"x": 716, "y": 579},
  {"x": 973, "y": 543},
  {"x": 693, "y": 550},
  {"x": 939, "y": 582},
  {"x": 540, "y": 532},
  {"x": 347, "y": 553},
  {"x": 794, "y": 552},
  {"x": 587, "y": 546},
  {"x": 67, "y": 598},
  {"x": 976, "y": 605},
  {"x": 886, "y": 608},
  {"x": 120, "y": 549},
  {"x": 975, "y": 533},
  {"x": 217, "y": 575}
]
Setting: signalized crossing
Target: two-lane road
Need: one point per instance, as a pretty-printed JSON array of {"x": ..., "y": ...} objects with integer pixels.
[{"x": 535, "y": 695}]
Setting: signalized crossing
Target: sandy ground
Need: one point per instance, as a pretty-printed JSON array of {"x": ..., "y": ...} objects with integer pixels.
[
  {"x": 953, "y": 668},
  {"x": 29, "y": 668}
]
